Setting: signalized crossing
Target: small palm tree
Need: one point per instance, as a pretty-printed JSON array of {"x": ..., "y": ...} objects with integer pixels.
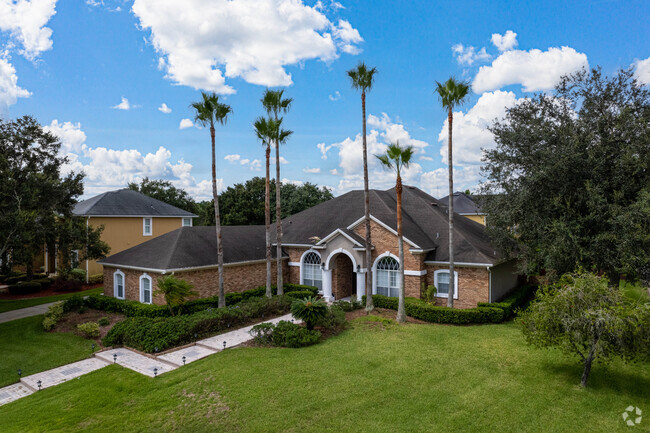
[
  {"x": 274, "y": 104},
  {"x": 310, "y": 310},
  {"x": 451, "y": 94},
  {"x": 362, "y": 79},
  {"x": 175, "y": 291},
  {"x": 396, "y": 158},
  {"x": 207, "y": 112}
]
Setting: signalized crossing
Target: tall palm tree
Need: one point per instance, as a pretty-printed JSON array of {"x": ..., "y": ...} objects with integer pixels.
[
  {"x": 396, "y": 158},
  {"x": 274, "y": 104},
  {"x": 362, "y": 79},
  {"x": 452, "y": 93},
  {"x": 207, "y": 112}
]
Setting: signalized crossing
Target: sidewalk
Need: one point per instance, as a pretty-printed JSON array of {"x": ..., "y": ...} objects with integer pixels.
[
  {"x": 21, "y": 313},
  {"x": 151, "y": 366}
]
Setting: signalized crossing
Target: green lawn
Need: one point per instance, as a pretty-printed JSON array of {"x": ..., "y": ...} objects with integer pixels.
[
  {"x": 24, "y": 345},
  {"x": 411, "y": 378},
  {"x": 24, "y": 303}
]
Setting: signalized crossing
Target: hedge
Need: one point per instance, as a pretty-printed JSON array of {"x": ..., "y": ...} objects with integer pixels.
[
  {"x": 419, "y": 309},
  {"x": 510, "y": 304},
  {"x": 25, "y": 288}
]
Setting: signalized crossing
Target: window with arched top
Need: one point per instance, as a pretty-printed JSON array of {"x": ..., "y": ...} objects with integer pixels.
[
  {"x": 311, "y": 270},
  {"x": 387, "y": 276}
]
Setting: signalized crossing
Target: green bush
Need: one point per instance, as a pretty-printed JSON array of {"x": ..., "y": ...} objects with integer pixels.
[
  {"x": 15, "y": 279},
  {"x": 348, "y": 306},
  {"x": 333, "y": 319},
  {"x": 103, "y": 321},
  {"x": 76, "y": 274},
  {"x": 300, "y": 294},
  {"x": 263, "y": 333},
  {"x": 419, "y": 309},
  {"x": 96, "y": 279},
  {"x": 310, "y": 310},
  {"x": 38, "y": 277},
  {"x": 44, "y": 282},
  {"x": 53, "y": 315},
  {"x": 89, "y": 329},
  {"x": 64, "y": 285},
  {"x": 510, "y": 304},
  {"x": 25, "y": 288},
  {"x": 284, "y": 334}
]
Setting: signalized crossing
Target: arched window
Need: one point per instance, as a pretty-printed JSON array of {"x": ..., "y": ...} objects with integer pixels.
[
  {"x": 145, "y": 289},
  {"x": 388, "y": 276},
  {"x": 311, "y": 271},
  {"x": 118, "y": 284}
]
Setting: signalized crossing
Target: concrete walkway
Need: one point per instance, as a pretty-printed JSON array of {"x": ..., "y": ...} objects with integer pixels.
[
  {"x": 21, "y": 313},
  {"x": 148, "y": 365}
]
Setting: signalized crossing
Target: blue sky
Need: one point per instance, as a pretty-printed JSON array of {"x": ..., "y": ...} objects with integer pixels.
[{"x": 71, "y": 63}]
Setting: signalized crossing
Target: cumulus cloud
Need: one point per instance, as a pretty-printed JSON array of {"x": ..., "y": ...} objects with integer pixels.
[
  {"x": 254, "y": 165},
  {"x": 311, "y": 170},
  {"x": 123, "y": 105},
  {"x": 164, "y": 108},
  {"x": 425, "y": 158},
  {"x": 436, "y": 182},
  {"x": 534, "y": 70},
  {"x": 334, "y": 172},
  {"x": 324, "y": 149},
  {"x": 185, "y": 123},
  {"x": 25, "y": 21},
  {"x": 72, "y": 138},
  {"x": 506, "y": 41},
  {"x": 335, "y": 97},
  {"x": 10, "y": 91},
  {"x": 468, "y": 55},
  {"x": 642, "y": 70},
  {"x": 202, "y": 43}
]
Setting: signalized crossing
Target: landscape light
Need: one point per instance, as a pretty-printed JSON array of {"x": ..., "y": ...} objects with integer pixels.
[
  {"x": 183, "y": 359},
  {"x": 39, "y": 385},
  {"x": 224, "y": 344},
  {"x": 114, "y": 358},
  {"x": 92, "y": 347},
  {"x": 20, "y": 372},
  {"x": 155, "y": 371},
  {"x": 156, "y": 349}
]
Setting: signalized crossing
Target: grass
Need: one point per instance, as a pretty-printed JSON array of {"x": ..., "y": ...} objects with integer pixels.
[
  {"x": 24, "y": 345},
  {"x": 6, "y": 305},
  {"x": 376, "y": 377}
]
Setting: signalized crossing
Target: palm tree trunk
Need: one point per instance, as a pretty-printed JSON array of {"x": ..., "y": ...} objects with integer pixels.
[
  {"x": 401, "y": 308},
  {"x": 278, "y": 216},
  {"x": 267, "y": 221},
  {"x": 366, "y": 197},
  {"x": 452, "y": 280},
  {"x": 217, "y": 218}
]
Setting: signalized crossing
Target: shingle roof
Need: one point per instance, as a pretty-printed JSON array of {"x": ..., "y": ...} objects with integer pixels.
[
  {"x": 463, "y": 203},
  {"x": 193, "y": 247},
  {"x": 126, "y": 202}
]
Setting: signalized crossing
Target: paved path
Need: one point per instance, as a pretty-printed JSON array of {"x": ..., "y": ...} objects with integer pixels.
[
  {"x": 130, "y": 359},
  {"x": 21, "y": 313}
]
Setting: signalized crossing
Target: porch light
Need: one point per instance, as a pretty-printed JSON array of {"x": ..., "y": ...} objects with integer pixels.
[
  {"x": 155, "y": 371},
  {"x": 39, "y": 385},
  {"x": 183, "y": 359}
]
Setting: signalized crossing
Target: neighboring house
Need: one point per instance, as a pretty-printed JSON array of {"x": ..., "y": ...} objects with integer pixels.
[
  {"x": 129, "y": 218},
  {"x": 324, "y": 247},
  {"x": 465, "y": 205}
]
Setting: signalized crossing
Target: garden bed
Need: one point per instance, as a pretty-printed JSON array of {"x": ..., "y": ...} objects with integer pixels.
[{"x": 69, "y": 321}]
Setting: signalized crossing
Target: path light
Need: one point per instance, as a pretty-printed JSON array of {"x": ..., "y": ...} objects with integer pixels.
[
  {"x": 155, "y": 349},
  {"x": 224, "y": 344},
  {"x": 39, "y": 385},
  {"x": 183, "y": 359},
  {"x": 155, "y": 371},
  {"x": 20, "y": 373},
  {"x": 114, "y": 358},
  {"x": 291, "y": 320},
  {"x": 195, "y": 336},
  {"x": 92, "y": 347}
]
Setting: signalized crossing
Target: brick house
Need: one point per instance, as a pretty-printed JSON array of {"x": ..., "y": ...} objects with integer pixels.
[{"x": 324, "y": 246}]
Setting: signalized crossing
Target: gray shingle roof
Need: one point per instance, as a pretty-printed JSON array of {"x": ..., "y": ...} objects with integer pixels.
[
  {"x": 463, "y": 203},
  {"x": 126, "y": 202},
  {"x": 192, "y": 247}
]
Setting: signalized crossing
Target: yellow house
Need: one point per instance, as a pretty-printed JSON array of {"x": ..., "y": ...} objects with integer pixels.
[
  {"x": 465, "y": 205},
  {"x": 129, "y": 219}
]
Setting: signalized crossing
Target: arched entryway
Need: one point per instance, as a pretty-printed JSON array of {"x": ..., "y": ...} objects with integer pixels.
[{"x": 344, "y": 281}]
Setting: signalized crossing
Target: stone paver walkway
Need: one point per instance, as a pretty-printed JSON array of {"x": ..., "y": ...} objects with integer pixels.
[
  {"x": 21, "y": 313},
  {"x": 131, "y": 360}
]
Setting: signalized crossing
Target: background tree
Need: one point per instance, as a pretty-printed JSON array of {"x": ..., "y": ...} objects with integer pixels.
[
  {"x": 362, "y": 79},
  {"x": 570, "y": 177},
  {"x": 72, "y": 234},
  {"x": 175, "y": 291},
  {"x": 396, "y": 158},
  {"x": 583, "y": 316},
  {"x": 208, "y": 112},
  {"x": 451, "y": 94},
  {"x": 165, "y": 191},
  {"x": 275, "y": 104}
]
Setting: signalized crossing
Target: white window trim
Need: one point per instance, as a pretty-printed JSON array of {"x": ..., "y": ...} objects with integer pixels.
[
  {"x": 302, "y": 264},
  {"x": 435, "y": 283},
  {"x": 144, "y": 226},
  {"x": 374, "y": 269},
  {"x": 115, "y": 274},
  {"x": 145, "y": 276},
  {"x": 183, "y": 222}
]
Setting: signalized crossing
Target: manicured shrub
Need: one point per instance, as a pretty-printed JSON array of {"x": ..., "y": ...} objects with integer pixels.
[
  {"x": 263, "y": 333},
  {"x": 510, "y": 304},
  {"x": 89, "y": 329},
  {"x": 37, "y": 277},
  {"x": 25, "y": 288},
  {"x": 348, "y": 306},
  {"x": 15, "y": 279},
  {"x": 76, "y": 274},
  {"x": 53, "y": 315},
  {"x": 45, "y": 283},
  {"x": 333, "y": 319},
  {"x": 73, "y": 303},
  {"x": 284, "y": 334},
  {"x": 103, "y": 321},
  {"x": 96, "y": 279},
  {"x": 300, "y": 294},
  {"x": 310, "y": 310},
  {"x": 63, "y": 285}
]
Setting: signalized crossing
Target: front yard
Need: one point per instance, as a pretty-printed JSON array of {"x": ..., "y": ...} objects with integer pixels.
[
  {"x": 373, "y": 377},
  {"x": 9, "y": 305}
]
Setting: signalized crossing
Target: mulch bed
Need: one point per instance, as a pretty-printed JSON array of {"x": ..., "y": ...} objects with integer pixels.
[
  {"x": 69, "y": 322},
  {"x": 49, "y": 292}
]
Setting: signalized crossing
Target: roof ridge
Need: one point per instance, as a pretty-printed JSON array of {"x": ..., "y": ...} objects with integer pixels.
[
  {"x": 173, "y": 248},
  {"x": 102, "y": 197}
]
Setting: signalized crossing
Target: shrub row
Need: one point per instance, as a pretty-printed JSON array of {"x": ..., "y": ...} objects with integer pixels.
[
  {"x": 419, "y": 309},
  {"x": 96, "y": 279},
  {"x": 53, "y": 315},
  {"x": 510, "y": 304},
  {"x": 284, "y": 334},
  {"x": 25, "y": 288},
  {"x": 162, "y": 333},
  {"x": 19, "y": 277}
]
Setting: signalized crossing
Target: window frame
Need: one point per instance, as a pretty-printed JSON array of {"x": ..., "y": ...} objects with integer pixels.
[
  {"x": 186, "y": 219},
  {"x": 312, "y": 267},
  {"x": 390, "y": 272},
  {"x": 143, "y": 277},
  {"x": 435, "y": 283},
  {"x": 144, "y": 226},
  {"x": 116, "y": 274}
]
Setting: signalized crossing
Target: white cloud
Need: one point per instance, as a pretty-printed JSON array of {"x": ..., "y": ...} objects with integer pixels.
[
  {"x": 72, "y": 138},
  {"x": 164, "y": 108},
  {"x": 311, "y": 170},
  {"x": 506, "y": 41},
  {"x": 254, "y": 165},
  {"x": 185, "y": 123},
  {"x": 642, "y": 71},
  {"x": 203, "y": 43},
  {"x": 324, "y": 149},
  {"x": 468, "y": 55},
  {"x": 293, "y": 182},
  {"x": 334, "y": 172},
  {"x": 25, "y": 21},
  {"x": 534, "y": 70},
  {"x": 124, "y": 105},
  {"x": 335, "y": 97},
  {"x": 436, "y": 182},
  {"x": 232, "y": 158},
  {"x": 425, "y": 158},
  {"x": 9, "y": 89}
]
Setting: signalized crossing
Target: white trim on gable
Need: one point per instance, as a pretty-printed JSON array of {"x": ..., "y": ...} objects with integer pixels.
[
  {"x": 336, "y": 233},
  {"x": 143, "y": 277},
  {"x": 341, "y": 251},
  {"x": 372, "y": 217},
  {"x": 116, "y": 274}
]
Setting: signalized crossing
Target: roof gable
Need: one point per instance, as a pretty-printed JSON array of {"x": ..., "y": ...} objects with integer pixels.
[{"x": 126, "y": 202}]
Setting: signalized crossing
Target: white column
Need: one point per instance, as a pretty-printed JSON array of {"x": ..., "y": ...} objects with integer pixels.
[
  {"x": 361, "y": 285},
  {"x": 327, "y": 284}
]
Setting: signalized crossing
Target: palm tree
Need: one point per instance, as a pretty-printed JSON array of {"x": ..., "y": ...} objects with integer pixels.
[
  {"x": 274, "y": 105},
  {"x": 206, "y": 113},
  {"x": 452, "y": 94},
  {"x": 362, "y": 79},
  {"x": 396, "y": 158}
]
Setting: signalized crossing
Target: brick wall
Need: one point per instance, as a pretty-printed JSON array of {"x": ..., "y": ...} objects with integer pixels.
[{"x": 473, "y": 285}]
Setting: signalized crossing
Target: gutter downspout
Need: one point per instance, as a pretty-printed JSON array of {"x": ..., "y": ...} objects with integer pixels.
[
  {"x": 87, "y": 223},
  {"x": 489, "y": 269}
]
